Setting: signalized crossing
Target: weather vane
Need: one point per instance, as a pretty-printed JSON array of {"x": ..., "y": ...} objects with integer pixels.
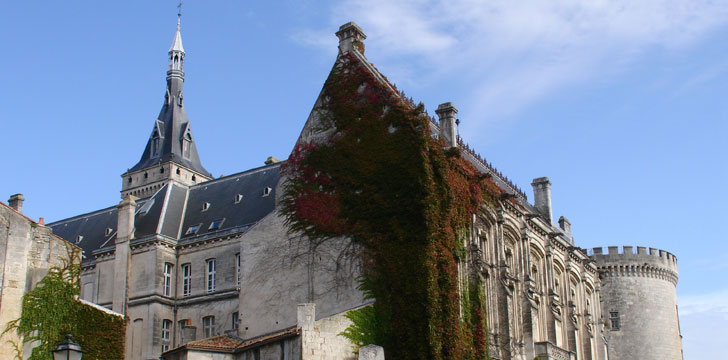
[{"x": 179, "y": 9}]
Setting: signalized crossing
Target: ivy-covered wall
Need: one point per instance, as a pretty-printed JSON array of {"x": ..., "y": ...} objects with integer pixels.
[
  {"x": 383, "y": 182},
  {"x": 53, "y": 309}
]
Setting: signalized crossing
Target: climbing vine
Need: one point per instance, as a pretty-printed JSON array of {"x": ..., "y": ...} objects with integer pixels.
[
  {"x": 379, "y": 179},
  {"x": 52, "y": 309}
]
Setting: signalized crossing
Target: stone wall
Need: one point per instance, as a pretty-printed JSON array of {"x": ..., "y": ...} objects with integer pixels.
[
  {"x": 320, "y": 339},
  {"x": 279, "y": 271},
  {"x": 27, "y": 251}
]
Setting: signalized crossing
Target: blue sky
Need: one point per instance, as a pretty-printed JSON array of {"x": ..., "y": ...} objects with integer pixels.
[{"x": 621, "y": 103}]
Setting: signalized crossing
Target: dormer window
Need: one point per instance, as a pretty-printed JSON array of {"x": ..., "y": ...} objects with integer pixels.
[
  {"x": 155, "y": 144},
  {"x": 216, "y": 224},
  {"x": 79, "y": 238},
  {"x": 186, "y": 144},
  {"x": 108, "y": 231},
  {"x": 205, "y": 206},
  {"x": 238, "y": 198},
  {"x": 267, "y": 191},
  {"x": 192, "y": 229}
]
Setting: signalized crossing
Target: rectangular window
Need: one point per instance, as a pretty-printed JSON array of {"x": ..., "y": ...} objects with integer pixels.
[
  {"x": 166, "y": 329},
  {"x": 208, "y": 326},
  {"x": 210, "y": 275},
  {"x": 614, "y": 320},
  {"x": 236, "y": 320},
  {"x": 186, "y": 279},
  {"x": 167, "y": 286},
  {"x": 237, "y": 270}
]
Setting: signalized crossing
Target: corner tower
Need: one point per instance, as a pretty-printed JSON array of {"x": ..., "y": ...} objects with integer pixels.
[
  {"x": 170, "y": 154},
  {"x": 639, "y": 303}
]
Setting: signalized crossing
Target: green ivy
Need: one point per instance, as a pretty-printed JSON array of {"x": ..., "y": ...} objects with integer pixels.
[{"x": 52, "y": 309}]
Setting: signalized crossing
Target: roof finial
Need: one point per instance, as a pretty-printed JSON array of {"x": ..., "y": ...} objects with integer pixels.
[{"x": 179, "y": 10}]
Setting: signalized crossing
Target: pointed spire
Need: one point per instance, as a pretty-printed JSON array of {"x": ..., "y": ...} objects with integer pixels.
[
  {"x": 171, "y": 139},
  {"x": 177, "y": 43}
]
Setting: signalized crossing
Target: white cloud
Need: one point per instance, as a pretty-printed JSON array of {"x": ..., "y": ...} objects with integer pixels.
[
  {"x": 716, "y": 302},
  {"x": 704, "y": 323},
  {"x": 511, "y": 53}
]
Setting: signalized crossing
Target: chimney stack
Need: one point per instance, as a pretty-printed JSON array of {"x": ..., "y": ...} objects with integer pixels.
[
  {"x": 448, "y": 124},
  {"x": 16, "y": 202},
  {"x": 565, "y": 225},
  {"x": 271, "y": 160},
  {"x": 350, "y": 37},
  {"x": 542, "y": 197}
]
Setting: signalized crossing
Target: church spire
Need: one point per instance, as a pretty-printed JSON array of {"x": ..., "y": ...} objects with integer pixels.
[
  {"x": 171, "y": 143},
  {"x": 176, "y": 51}
]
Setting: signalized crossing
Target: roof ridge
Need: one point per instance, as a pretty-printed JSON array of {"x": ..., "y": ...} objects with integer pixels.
[{"x": 245, "y": 172}]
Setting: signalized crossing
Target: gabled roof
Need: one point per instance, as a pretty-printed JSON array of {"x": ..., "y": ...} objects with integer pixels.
[{"x": 352, "y": 52}]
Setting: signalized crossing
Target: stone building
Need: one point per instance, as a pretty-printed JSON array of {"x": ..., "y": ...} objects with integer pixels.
[
  {"x": 205, "y": 268},
  {"x": 27, "y": 250}
]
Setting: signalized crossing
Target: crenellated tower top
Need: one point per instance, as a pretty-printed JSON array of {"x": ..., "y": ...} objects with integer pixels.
[{"x": 644, "y": 262}]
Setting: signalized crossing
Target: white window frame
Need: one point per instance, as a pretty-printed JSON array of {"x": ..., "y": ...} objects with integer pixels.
[
  {"x": 167, "y": 283},
  {"x": 186, "y": 279},
  {"x": 208, "y": 326},
  {"x": 166, "y": 331},
  {"x": 210, "y": 270}
]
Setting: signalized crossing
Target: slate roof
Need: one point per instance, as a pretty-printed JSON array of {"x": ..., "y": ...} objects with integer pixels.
[{"x": 240, "y": 200}]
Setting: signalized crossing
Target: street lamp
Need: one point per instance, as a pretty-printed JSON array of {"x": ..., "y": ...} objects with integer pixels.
[{"x": 68, "y": 350}]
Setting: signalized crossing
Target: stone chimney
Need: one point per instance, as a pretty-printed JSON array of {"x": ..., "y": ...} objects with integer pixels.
[
  {"x": 122, "y": 255},
  {"x": 271, "y": 160},
  {"x": 188, "y": 334},
  {"x": 350, "y": 37},
  {"x": 448, "y": 124},
  {"x": 542, "y": 197},
  {"x": 16, "y": 202},
  {"x": 565, "y": 225}
]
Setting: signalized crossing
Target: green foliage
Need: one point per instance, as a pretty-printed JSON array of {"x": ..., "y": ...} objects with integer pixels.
[
  {"x": 381, "y": 181},
  {"x": 52, "y": 310},
  {"x": 362, "y": 331}
]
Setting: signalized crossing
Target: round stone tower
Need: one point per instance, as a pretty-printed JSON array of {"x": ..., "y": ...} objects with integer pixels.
[{"x": 639, "y": 303}]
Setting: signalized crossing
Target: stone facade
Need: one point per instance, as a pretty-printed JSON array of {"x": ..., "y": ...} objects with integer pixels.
[
  {"x": 205, "y": 268},
  {"x": 27, "y": 250}
]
